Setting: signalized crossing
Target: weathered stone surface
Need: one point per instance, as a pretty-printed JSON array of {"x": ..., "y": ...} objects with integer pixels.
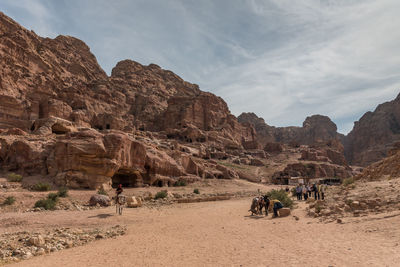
[
  {"x": 284, "y": 212},
  {"x": 273, "y": 147},
  {"x": 102, "y": 200},
  {"x": 37, "y": 241},
  {"x": 313, "y": 170},
  {"x": 374, "y": 134},
  {"x": 134, "y": 202},
  {"x": 316, "y": 128}
]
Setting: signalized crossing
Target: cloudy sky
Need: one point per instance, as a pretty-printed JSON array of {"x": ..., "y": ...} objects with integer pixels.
[{"x": 281, "y": 59}]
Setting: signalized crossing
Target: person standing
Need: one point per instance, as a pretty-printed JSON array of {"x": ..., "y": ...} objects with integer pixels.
[
  {"x": 314, "y": 189},
  {"x": 317, "y": 191},
  {"x": 298, "y": 192},
  {"x": 322, "y": 191},
  {"x": 309, "y": 190},
  {"x": 305, "y": 194},
  {"x": 266, "y": 202}
]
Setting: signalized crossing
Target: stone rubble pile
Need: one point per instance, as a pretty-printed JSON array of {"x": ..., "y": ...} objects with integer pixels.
[{"x": 24, "y": 245}]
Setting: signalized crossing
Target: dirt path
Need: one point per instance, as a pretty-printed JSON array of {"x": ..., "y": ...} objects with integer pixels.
[{"x": 221, "y": 234}]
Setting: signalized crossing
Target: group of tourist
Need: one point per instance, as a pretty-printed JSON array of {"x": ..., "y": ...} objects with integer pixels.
[
  {"x": 263, "y": 202},
  {"x": 307, "y": 190}
]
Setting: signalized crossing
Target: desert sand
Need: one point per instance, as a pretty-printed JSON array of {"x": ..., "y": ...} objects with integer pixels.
[{"x": 220, "y": 234}]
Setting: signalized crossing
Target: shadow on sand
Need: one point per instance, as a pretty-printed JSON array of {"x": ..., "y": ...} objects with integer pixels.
[
  {"x": 256, "y": 217},
  {"x": 101, "y": 216}
]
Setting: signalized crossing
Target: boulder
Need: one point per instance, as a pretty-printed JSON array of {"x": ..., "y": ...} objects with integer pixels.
[
  {"x": 256, "y": 162},
  {"x": 102, "y": 200},
  {"x": 133, "y": 202},
  {"x": 284, "y": 212},
  {"x": 37, "y": 241}
]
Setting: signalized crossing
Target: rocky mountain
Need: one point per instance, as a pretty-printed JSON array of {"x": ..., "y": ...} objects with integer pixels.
[
  {"x": 61, "y": 116},
  {"x": 316, "y": 128},
  {"x": 43, "y": 77},
  {"x": 385, "y": 169},
  {"x": 371, "y": 138},
  {"x": 374, "y": 134}
]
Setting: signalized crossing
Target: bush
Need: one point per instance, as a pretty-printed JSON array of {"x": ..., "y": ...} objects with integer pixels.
[
  {"x": 9, "y": 200},
  {"x": 293, "y": 191},
  {"x": 180, "y": 183},
  {"x": 101, "y": 191},
  {"x": 161, "y": 194},
  {"x": 47, "y": 204},
  {"x": 282, "y": 196},
  {"x": 318, "y": 208},
  {"x": 12, "y": 177},
  {"x": 53, "y": 196},
  {"x": 41, "y": 187},
  {"x": 348, "y": 181},
  {"x": 196, "y": 191},
  {"x": 62, "y": 192}
]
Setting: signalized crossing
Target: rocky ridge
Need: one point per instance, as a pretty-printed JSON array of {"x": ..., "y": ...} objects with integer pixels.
[{"x": 374, "y": 135}]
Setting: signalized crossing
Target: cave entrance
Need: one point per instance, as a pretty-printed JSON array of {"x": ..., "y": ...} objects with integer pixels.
[{"x": 127, "y": 178}]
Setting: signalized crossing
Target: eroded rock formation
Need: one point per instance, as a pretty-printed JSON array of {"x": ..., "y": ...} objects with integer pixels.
[{"x": 374, "y": 134}]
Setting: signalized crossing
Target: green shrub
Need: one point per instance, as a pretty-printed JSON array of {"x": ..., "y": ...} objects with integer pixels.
[
  {"x": 196, "y": 191},
  {"x": 9, "y": 200},
  {"x": 41, "y": 187},
  {"x": 47, "y": 204},
  {"x": 348, "y": 181},
  {"x": 180, "y": 183},
  {"x": 161, "y": 194},
  {"x": 12, "y": 177},
  {"x": 101, "y": 191},
  {"x": 282, "y": 196},
  {"x": 318, "y": 208},
  {"x": 53, "y": 196},
  {"x": 293, "y": 191},
  {"x": 62, "y": 192}
]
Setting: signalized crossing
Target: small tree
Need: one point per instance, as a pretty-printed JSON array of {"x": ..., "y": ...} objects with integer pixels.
[
  {"x": 12, "y": 177},
  {"x": 62, "y": 192},
  {"x": 101, "y": 191},
  {"x": 161, "y": 194},
  {"x": 9, "y": 200},
  {"x": 41, "y": 187}
]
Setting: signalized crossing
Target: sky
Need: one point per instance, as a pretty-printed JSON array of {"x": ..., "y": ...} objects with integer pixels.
[{"x": 281, "y": 59}]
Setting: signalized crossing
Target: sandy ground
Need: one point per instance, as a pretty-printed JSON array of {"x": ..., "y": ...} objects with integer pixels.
[{"x": 219, "y": 234}]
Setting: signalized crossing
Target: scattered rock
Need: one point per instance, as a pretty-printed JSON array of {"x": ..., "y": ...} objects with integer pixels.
[{"x": 100, "y": 200}]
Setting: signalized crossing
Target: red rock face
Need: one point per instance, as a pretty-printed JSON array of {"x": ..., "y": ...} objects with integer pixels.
[
  {"x": 60, "y": 77},
  {"x": 63, "y": 117},
  {"x": 374, "y": 134},
  {"x": 315, "y": 129}
]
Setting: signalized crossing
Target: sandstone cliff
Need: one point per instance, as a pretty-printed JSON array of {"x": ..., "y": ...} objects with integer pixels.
[
  {"x": 316, "y": 128},
  {"x": 374, "y": 134},
  {"x": 61, "y": 116}
]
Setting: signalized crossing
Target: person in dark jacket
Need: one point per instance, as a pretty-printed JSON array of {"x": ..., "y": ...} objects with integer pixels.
[
  {"x": 119, "y": 190},
  {"x": 276, "y": 206},
  {"x": 266, "y": 202}
]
